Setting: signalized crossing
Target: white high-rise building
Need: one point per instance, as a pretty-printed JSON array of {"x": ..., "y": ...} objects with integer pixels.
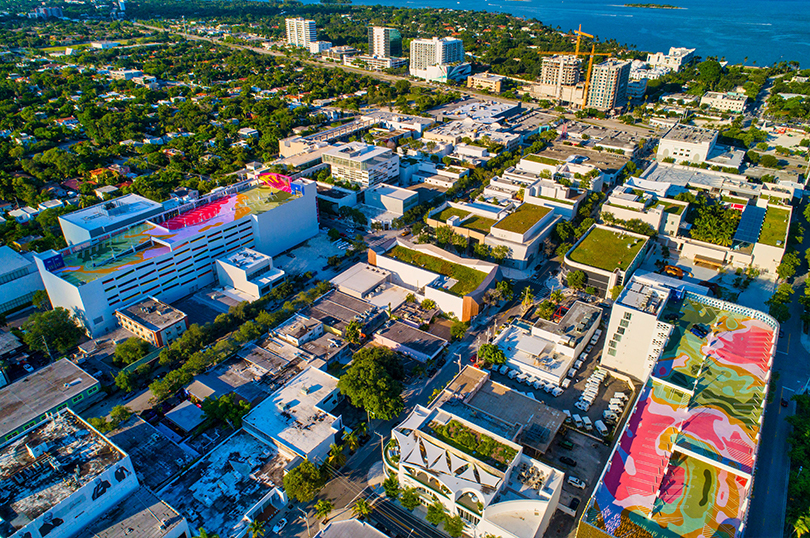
[
  {"x": 384, "y": 42},
  {"x": 677, "y": 58},
  {"x": 438, "y": 59},
  {"x": 608, "y": 87},
  {"x": 300, "y": 32}
]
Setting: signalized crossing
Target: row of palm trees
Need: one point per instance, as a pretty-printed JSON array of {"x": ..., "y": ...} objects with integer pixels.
[
  {"x": 324, "y": 507},
  {"x": 255, "y": 530}
]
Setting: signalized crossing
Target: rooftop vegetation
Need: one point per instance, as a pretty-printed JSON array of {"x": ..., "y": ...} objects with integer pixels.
[
  {"x": 468, "y": 279},
  {"x": 451, "y": 212},
  {"x": 476, "y": 444},
  {"x": 526, "y": 216},
  {"x": 606, "y": 249},
  {"x": 669, "y": 207},
  {"x": 774, "y": 227},
  {"x": 479, "y": 224},
  {"x": 542, "y": 160}
]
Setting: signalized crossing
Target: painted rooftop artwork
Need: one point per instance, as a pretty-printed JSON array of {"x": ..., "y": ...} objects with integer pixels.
[
  {"x": 683, "y": 465},
  {"x": 150, "y": 240}
]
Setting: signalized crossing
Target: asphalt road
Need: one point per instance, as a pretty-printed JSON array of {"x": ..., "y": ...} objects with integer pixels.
[{"x": 792, "y": 365}]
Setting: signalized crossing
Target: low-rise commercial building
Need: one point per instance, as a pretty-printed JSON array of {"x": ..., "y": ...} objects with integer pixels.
[
  {"x": 156, "y": 322},
  {"x": 414, "y": 343},
  {"x": 233, "y": 484},
  {"x": 727, "y": 102},
  {"x": 486, "y": 81},
  {"x": 501, "y": 491},
  {"x": 664, "y": 215},
  {"x": 249, "y": 273},
  {"x": 362, "y": 163},
  {"x": 60, "y": 477},
  {"x": 454, "y": 283},
  {"x": 297, "y": 418},
  {"x": 608, "y": 256},
  {"x": 686, "y": 143},
  {"x": 28, "y": 401},
  {"x": 699, "y": 414},
  {"x": 377, "y": 63}
]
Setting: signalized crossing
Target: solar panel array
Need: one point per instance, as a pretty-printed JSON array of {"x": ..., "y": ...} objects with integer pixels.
[{"x": 750, "y": 224}]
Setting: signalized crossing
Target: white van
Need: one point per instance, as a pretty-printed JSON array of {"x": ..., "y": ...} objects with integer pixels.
[
  {"x": 571, "y": 373},
  {"x": 621, "y": 395},
  {"x": 583, "y": 356},
  {"x": 616, "y": 409},
  {"x": 556, "y": 391},
  {"x": 567, "y": 414},
  {"x": 504, "y": 369},
  {"x": 588, "y": 423},
  {"x": 512, "y": 374},
  {"x": 578, "y": 364},
  {"x": 617, "y": 401},
  {"x": 601, "y": 428},
  {"x": 566, "y": 383},
  {"x": 582, "y": 406},
  {"x": 577, "y": 420},
  {"x": 610, "y": 415}
]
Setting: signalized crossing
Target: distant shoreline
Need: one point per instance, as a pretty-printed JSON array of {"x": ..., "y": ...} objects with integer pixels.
[{"x": 654, "y": 6}]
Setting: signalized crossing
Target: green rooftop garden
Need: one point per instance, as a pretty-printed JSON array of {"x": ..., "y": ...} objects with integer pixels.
[
  {"x": 451, "y": 212},
  {"x": 542, "y": 160},
  {"x": 562, "y": 201},
  {"x": 734, "y": 200},
  {"x": 669, "y": 207},
  {"x": 523, "y": 218},
  {"x": 479, "y": 224},
  {"x": 607, "y": 250},
  {"x": 476, "y": 444},
  {"x": 468, "y": 279},
  {"x": 774, "y": 227}
]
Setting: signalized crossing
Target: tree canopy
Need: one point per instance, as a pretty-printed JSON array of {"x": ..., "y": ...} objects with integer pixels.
[
  {"x": 55, "y": 331},
  {"x": 492, "y": 354},
  {"x": 304, "y": 482},
  {"x": 131, "y": 350},
  {"x": 374, "y": 382}
]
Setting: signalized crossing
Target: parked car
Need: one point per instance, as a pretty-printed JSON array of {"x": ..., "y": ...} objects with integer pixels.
[
  {"x": 568, "y": 461},
  {"x": 280, "y": 525},
  {"x": 574, "y": 504},
  {"x": 574, "y": 481},
  {"x": 27, "y": 367},
  {"x": 566, "y": 444}
]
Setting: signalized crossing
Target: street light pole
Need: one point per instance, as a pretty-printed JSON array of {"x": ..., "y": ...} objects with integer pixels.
[
  {"x": 382, "y": 446},
  {"x": 304, "y": 517}
]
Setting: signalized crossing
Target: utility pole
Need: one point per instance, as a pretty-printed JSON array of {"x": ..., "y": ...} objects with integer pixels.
[
  {"x": 459, "y": 361},
  {"x": 382, "y": 445},
  {"x": 304, "y": 517},
  {"x": 48, "y": 349}
]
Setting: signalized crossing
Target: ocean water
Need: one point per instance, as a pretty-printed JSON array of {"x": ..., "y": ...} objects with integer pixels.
[{"x": 763, "y": 31}]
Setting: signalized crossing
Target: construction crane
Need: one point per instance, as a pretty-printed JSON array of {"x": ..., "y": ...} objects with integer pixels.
[{"x": 579, "y": 33}]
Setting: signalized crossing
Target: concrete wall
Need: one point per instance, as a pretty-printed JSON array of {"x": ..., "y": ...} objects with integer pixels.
[{"x": 289, "y": 224}]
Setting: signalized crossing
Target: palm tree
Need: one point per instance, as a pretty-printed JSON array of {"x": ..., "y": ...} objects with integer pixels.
[
  {"x": 362, "y": 429},
  {"x": 802, "y": 526},
  {"x": 204, "y": 534},
  {"x": 336, "y": 456},
  {"x": 352, "y": 442},
  {"x": 256, "y": 529},
  {"x": 557, "y": 296},
  {"x": 323, "y": 508},
  {"x": 527, "y": 298},
  {"x": 361, "y": 508}
]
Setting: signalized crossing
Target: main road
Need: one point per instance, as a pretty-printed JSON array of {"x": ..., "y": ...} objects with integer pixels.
[
  {"x": 322, "y": 64},
  {"x": 791, "y": 371}
]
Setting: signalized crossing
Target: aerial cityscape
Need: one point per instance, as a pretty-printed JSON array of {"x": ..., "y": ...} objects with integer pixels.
[{"x": 430, "y": 269}]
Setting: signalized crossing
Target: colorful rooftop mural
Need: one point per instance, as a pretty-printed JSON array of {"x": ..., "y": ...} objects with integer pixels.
[
  {"x": 661, "y": 480},
  {"x": 150, "y": 240}
]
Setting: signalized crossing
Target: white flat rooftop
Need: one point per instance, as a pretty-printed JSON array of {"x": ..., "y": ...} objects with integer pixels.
[
  {"x": 360, "y": 278},
  {"x": 533, "y": 355},
  {"x": 292, "y": 414},
  {"x": 131, "y": 206}
]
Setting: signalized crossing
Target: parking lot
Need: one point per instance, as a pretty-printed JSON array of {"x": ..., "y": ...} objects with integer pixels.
[{"x": 588, "y": 449}]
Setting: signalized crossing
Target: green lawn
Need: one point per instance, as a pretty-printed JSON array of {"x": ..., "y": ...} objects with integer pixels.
[
  {"x": 524, "y": 218},
  {"x": 669, "y": 207},
  {"x": 606, "y": 249},
  {"x": 468, "y": 279},
  {"x": 774, "y": 227},
  {"x": 451, "y": 212},
  {"x": 479, "y": 224},
  {"x": 549, "y": 198}
]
